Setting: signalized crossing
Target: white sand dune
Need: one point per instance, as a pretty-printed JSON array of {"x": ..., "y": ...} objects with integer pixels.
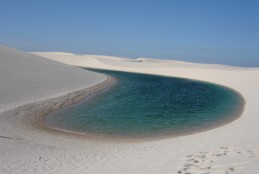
[
  {"x": 27, "y": 77},
  {"x": 232, "y": 148}
]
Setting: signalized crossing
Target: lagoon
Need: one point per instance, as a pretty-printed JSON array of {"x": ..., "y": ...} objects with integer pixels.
[{"x": 141, "y": 105}]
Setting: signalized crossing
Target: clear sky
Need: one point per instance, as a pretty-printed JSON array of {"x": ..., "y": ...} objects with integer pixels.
[{"x": 209, "y": 31}]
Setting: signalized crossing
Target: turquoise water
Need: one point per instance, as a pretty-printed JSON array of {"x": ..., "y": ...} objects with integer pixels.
[{"x": 140, "y": 105}]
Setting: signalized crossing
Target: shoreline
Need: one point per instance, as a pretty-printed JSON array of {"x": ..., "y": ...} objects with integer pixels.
[
  {"x": 71, "y": 99},
  {"x": 147, "y": 137}
]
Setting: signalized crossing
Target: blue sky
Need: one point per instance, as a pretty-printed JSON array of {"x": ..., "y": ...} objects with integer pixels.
[{"x": 209, "y": 31}]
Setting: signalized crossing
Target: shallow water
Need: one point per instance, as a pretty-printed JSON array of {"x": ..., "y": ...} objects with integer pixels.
[{"x": 140, "y": 105}]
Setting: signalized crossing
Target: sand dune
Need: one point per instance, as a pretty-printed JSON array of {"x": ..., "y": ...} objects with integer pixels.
[
  {"x": 26, "y": 77},
  {"x": 233, "y": 148}
]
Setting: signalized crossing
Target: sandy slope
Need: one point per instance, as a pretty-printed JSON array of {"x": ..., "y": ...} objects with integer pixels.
[
  {"x": 233, "y": 148},
  {"x": 26, "y": 77}
]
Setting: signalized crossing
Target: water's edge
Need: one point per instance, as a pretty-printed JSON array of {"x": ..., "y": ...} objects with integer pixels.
[{"x": 70, "y": 99}]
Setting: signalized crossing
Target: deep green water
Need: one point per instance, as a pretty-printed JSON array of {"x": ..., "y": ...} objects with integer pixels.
[{"x": 140, "y": 105}]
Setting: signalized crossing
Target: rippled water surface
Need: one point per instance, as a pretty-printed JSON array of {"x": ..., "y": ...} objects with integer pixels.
[{"x": 148, "y": 105}]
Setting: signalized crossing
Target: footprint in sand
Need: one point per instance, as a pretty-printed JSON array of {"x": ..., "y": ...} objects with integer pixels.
[{"x": 223, "y": 160}]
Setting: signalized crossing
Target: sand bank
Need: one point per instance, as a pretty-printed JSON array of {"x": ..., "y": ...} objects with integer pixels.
[{"x": 26, "y": 78}]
